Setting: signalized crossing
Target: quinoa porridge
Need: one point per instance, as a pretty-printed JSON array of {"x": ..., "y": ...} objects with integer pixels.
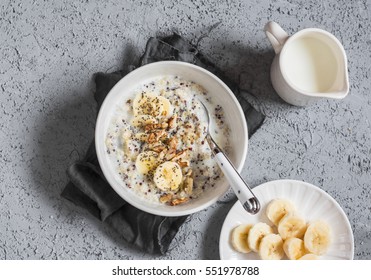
[{"x": 156, "y": 141}]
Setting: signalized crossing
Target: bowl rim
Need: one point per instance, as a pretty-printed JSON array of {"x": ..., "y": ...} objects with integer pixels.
[{"x": 102, "y": 114}]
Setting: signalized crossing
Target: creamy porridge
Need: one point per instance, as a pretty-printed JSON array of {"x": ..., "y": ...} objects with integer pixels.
[{"x": 156, "y": 141}]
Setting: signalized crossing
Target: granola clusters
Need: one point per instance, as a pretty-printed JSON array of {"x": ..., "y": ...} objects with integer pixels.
[{"x": 156, "y": 140}]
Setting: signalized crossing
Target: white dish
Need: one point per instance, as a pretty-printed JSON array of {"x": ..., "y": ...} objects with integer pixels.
[
  {"x": 311, "y": 202},
  {"x": 219, "y": 93}
]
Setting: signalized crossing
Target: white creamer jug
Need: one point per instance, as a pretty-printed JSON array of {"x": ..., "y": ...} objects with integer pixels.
[{"x": 309, "y": 65}]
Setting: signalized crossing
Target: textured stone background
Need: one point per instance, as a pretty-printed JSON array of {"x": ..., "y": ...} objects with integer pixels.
[{"x": 49, "y": 51}]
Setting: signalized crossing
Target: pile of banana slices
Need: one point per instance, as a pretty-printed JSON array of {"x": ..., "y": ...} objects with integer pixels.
[
  {"x": 295, "y": 238},
  {"x": 161, "y": 158}
]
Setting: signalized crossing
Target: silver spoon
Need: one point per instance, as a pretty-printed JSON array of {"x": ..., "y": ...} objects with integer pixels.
[{"x": 243, "y": 192}]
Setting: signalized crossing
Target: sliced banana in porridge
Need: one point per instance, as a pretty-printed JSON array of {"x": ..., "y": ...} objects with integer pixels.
[
  {"x": 146, "y": 162},
  {"x": 168, "y": 176}
]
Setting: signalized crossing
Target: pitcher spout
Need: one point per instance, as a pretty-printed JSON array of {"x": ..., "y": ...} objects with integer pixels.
[{"x": 340, "y": 89}]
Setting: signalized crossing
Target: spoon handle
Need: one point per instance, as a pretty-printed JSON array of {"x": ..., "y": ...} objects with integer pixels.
[{"x": 242, "y": 190}]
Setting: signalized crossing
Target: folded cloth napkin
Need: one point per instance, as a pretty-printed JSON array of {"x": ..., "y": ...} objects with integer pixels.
[{"x": 89, "y": 189}]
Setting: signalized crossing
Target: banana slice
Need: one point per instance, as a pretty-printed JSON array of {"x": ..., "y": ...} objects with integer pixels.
[
  {"x": 130, "y": 145},
  {"x": 309, "y": 257},
  {"x": 146, "y": 162},
  {"x": 256, "y": 233},
  {"x": 140, "y": 100},
  {"x": 131, "y": 149},
  {"x": 142, "y": 120},
  {"x": 292, "y": 226},
  {"x": 166, "y": 106},
  {"x": 294, "y": 248},
  {"x": 271, "y": 247},
  {"x": 168, "y": 176},
  {"x": 147, "y": 103},
  {"x": 278, "y": 208},
  {"x": 317, "y": 238},
  {"x": 239, "y": 238}
]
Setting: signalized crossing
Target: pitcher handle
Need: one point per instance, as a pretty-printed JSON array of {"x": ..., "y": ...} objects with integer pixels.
[{"x": 276, "y": 35}]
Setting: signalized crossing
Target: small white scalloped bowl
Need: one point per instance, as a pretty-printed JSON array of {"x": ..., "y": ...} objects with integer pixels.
[{"x": 219, "y": 93}]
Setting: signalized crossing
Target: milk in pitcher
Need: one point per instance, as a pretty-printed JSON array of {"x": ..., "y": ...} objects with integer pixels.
[{"x": 310, "y": 64}]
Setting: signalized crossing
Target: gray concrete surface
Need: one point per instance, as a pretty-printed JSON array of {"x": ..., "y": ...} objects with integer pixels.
[{"x": 49, "y": 51}]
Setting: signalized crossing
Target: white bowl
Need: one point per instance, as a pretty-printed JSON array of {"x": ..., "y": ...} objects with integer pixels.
[{"x": 219, "y": 93}]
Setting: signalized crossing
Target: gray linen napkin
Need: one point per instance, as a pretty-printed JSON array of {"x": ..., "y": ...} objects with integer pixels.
[{"x": 89, "y": 189}]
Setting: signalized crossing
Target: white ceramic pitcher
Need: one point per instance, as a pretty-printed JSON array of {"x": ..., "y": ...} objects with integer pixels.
[{"x": 309, "y": 65}]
